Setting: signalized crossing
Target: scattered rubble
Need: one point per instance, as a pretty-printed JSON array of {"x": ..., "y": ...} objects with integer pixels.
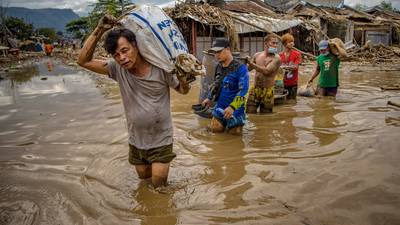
[{"x": 375, "y": 53}]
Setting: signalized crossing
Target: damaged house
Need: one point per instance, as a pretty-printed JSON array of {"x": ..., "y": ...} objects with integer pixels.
[
  {"x": 245, "y": 22},
  {"x": 334, "y": 19},
  {"x": 391, "y": 17}
]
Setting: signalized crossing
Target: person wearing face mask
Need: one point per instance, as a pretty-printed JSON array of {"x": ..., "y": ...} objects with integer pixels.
[
  {"x": 291, "y": 60},
  {"x": 267, "y": 64},
  {"x": 328, "y": 69}
]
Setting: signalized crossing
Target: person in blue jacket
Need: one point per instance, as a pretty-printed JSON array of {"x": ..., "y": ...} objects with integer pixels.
[{"x": 229, "y": 90}]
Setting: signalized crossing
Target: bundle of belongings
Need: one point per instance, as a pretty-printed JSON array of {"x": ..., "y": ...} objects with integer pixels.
[
  {"x": 306, "y": 91},
  {"x": 332, "y": 46},
  {"x": 161, "y": 43}
]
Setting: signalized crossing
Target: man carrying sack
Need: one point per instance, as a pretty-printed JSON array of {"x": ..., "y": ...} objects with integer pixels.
[
  {"x": 331, "y": 52},
  {"x": 145, "y": 92}
]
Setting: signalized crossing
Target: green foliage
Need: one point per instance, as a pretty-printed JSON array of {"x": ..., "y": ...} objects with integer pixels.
[
  {"x": 78, "y": 27},
  {"x": 50, "y": 33},
  {"x": 387, "y": 5},
  {"x": 19, "y": 28},
  {"x": 360, "y": 7},
  {"x": 83, "y": 26},
  {"x": 111, "y": 7}
]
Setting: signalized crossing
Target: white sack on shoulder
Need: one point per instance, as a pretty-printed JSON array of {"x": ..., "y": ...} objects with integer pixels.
[{"x": 159, "y": 40}]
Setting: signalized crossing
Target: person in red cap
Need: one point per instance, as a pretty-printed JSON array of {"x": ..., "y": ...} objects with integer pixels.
[{"x": 290, "y": 59}]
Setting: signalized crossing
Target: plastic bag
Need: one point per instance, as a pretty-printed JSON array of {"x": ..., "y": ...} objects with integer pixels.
[
  {"x": 160, "y": 42},
  {"x": 306, "y": 91}
]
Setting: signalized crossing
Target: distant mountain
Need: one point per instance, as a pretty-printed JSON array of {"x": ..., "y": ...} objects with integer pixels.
[{"x": 55, "y": 18}]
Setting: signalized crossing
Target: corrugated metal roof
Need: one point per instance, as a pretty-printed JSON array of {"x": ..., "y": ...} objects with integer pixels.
[
  {"x": 246, "y": 23},
  {"x": 245, "y": 6},
  {"x": 327, "y": 3},
  {"x": 282, "y": 5}
]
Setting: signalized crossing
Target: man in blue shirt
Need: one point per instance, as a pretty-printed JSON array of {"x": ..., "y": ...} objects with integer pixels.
[{"x": 229, "y": 90}]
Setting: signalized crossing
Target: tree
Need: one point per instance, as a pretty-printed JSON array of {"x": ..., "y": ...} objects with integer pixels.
[
  {"x": 387, "y": 6},
  {"x": 48, "y": 32},
  {"x": 112, "y": 7},
  {"x": 19, "y": 28},
  {"x": 360, "y": 7},
  {"x": 79, "y": 27}
]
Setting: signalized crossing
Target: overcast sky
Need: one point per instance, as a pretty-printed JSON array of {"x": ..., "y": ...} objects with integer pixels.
[{"x": 81, "y": 7}]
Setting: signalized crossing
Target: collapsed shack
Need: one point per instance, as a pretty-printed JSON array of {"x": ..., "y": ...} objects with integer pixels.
[
  {"x": 349, "y": 24},
  {"x": 201, "y": 23},
  {"x": 391, "y": 17},
  {"x": 369, "y": 32}
]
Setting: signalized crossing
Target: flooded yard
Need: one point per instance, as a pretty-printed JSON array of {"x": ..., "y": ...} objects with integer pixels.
[{"x": 64, "y": 156}]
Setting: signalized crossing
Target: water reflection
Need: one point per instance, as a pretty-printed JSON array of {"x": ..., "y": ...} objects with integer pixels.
[
  {"x": 154, "y": 206},
  {"x": 23, "y": 74},
  {"x": 324, "y": 121},
  {"x": 273, "y": 133}
]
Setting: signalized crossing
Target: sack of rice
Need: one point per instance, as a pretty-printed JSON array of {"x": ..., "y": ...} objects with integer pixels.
[{"x": 160, "y": 42}]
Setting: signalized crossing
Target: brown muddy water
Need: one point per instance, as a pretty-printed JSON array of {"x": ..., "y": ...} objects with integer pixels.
[{"x": 64, "y": 157}]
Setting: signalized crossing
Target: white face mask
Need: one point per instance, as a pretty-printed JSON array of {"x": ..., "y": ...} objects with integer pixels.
[
  {"x": 325, "y": 53},
  {"x": 272, "y": 50}
]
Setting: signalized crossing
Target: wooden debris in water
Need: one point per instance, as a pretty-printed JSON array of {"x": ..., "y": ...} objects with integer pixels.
[{"x": 397, "y": 104}]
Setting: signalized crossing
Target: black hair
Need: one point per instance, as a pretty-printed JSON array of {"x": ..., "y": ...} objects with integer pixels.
[{"x": 111, "y": 41}]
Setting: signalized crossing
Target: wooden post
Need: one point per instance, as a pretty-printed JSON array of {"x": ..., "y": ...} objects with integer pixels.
[
  {"x": 362, "y": 37},
  {"x": 193, "y": 40}
]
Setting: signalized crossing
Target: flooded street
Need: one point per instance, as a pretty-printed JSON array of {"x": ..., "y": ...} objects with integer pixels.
[{"x": 64, "y": 156}]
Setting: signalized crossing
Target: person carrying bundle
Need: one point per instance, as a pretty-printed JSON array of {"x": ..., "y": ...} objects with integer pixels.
[
  {"x": 331, "y": 52},
  {"x": 145, "y": 91}
]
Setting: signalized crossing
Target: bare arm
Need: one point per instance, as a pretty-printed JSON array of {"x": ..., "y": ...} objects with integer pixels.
[
  {"x": 270, "y": 69},
  {"x": 85, "y": 58},
  {"x": 342, "y": 53},
  {"x": 315, "y": 74}
]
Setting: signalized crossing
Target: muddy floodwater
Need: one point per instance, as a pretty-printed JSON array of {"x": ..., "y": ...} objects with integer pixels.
[{"x": 64, "y": 156}]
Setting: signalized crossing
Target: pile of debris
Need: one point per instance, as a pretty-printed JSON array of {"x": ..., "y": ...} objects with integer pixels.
[
  {"x": 375, "y": 53},
  {"x": 205, "y": 14}
]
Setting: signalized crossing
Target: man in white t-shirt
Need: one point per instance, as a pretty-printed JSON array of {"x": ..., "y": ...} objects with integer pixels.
[{"x": 145, "y": 96}]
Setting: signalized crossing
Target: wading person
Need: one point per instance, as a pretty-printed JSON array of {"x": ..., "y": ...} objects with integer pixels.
[
  {"x": 231, "y": 83},
  {"x": 328, "y": 69},
  {"x": 266, "y": 64},
  {"x": 290, "y": 61},
  {"x": 145, "y": 95},
  {"x": 48, "y": 48}
]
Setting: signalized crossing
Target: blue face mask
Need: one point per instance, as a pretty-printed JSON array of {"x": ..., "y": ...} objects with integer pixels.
[{"x": 272, "y": 50}]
